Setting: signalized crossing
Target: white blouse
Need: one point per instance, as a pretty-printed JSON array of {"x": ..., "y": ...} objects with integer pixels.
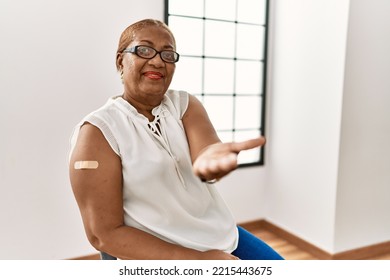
[{"x": 161, "y": 194}]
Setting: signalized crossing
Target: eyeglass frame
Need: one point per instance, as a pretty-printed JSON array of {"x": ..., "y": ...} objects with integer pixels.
[{"x": 134, "y": 51}]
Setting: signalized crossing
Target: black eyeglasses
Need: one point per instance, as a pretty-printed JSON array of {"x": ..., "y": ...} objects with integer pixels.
[{"x": 149, "y": 52}]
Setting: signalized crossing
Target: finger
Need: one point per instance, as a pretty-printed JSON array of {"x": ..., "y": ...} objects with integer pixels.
[
  {"x": 200, "y": 167},
  {"x": 228, "y": 162},
  {"x": 248, "y": 144},
  {"x": 206, "y": 169},
  {"x": 225, "y": 165},
  {"x": 214, "y": 167}
]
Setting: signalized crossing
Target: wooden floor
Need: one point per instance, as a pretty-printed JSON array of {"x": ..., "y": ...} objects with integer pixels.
[
  {"x": 292, "y": 252},
  {"x": 283, "y": 247}
]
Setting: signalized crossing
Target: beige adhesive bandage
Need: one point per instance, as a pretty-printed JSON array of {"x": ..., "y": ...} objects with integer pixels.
[{"x": 86, "y": 164}]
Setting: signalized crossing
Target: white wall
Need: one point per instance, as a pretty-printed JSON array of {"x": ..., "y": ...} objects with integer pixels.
[
  {"x": 327, "y": 171},
  {"x": 305, "y": 108},
  {"x": 363, "y": 194},
  {"x": 243, "y": 190}
]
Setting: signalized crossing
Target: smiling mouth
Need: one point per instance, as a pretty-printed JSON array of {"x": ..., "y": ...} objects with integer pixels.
[{"x": 153, "y": 75}]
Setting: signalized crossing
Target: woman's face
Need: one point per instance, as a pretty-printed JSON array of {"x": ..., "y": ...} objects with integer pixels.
[{"x": 147, "y": 80}]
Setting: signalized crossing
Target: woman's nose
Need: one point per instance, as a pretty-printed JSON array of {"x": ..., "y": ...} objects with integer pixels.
[{"x": 157, "y": 61}]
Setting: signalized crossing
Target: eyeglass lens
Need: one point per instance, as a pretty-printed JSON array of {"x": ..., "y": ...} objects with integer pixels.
[{"x": 149, "y": 52}]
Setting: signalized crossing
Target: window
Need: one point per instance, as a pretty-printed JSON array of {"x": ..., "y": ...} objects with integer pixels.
[{"x": 222, "y": 46}]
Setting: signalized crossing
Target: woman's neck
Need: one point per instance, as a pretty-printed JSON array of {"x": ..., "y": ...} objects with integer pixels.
[{"x": 143, "y": 107}]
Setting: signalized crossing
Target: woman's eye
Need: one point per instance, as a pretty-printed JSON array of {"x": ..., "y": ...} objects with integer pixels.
[
  {"x": 145, "y": 51},
  {"x": 168, "y": 55}
]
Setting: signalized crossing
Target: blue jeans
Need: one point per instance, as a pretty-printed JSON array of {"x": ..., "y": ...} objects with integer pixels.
[{"x": 249, "y": 248}]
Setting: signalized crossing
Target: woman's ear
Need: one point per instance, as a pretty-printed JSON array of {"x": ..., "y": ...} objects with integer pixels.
[{"x": 119, "y": 64}]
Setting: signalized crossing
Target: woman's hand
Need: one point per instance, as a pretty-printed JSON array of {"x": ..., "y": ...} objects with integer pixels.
[{"x": 217, "y": 160}]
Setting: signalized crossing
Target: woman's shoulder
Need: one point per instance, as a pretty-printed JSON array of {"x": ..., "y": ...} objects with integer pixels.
[
  {"x": 100, "y": 121},
  {"x": 179, "y": 100},
  {"x": 109, "y": 112}
]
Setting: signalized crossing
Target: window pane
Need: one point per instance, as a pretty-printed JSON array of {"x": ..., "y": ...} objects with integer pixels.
[
  {"x": 180, "y": 27},
  {"x": 252, "y": 11},
  {"x": 250, "y": 156},
  {"x": 247, "y": 112},
  {"x": 219, "y": 38},
  {"x": 188, "y": 75},
  {"x": 247, "y": 156},
  {"x": 221, "y": 9},
  {"x": 180, "y": 7},
  {"x": 250, "y": 41},
  {"x": 249, "y": 77},
  {"x": 220, "y": 111},
  {"x": 225, "y": 136},
  {"x": 246, "y": 135},
  {"x": 219, "y": 76}
]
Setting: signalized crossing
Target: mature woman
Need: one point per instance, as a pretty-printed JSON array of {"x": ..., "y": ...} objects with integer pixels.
[{"x": 142, "y": 165}]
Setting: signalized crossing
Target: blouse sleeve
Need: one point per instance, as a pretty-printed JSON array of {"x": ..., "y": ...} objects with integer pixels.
[{"x": 179, "y": 100}]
